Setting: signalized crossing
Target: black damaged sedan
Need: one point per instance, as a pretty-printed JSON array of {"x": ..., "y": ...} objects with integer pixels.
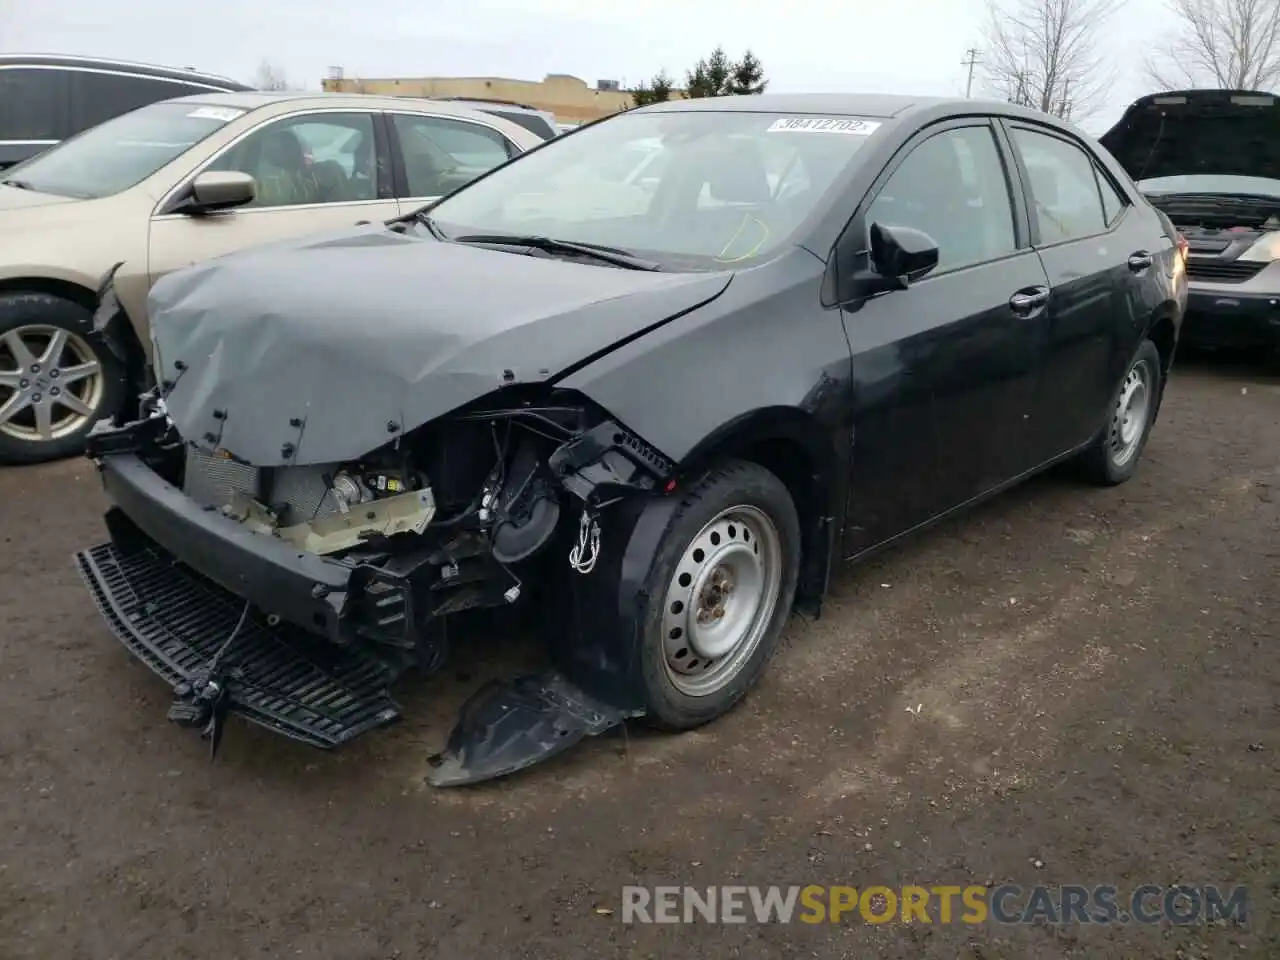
[{"x": 650, "y": 381}]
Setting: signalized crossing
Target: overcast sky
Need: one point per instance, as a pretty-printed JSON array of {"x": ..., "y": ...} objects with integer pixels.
[{"x": 908, "y": 46}]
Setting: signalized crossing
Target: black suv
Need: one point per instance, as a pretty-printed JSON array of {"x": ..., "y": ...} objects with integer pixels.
[{"x": 48, "y": 98}]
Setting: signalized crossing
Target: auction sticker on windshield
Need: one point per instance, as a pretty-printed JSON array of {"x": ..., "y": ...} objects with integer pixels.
[
  {"x": 225, "y": 114},
  {"x": 845, "y": 125}
]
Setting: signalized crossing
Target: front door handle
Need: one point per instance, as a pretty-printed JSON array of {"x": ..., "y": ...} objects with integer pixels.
[
  {"x": 1140, "y": 261},
  {"x": 1027, "y": 301}
]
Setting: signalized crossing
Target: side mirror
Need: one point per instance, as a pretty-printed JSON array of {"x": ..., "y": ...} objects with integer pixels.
[
  {"x": 216, "y": 190},
  {"x": 902, "y": 254}
]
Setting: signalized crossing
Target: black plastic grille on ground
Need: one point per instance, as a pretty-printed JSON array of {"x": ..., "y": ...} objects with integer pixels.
[{"x": 280, "y": 677}]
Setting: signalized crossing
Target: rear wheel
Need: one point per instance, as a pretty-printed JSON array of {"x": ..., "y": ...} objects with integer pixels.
[
  {"x": 1113, "y": 456},
  {"x": 56, "y": 379},
  {"x": 720, "y": 591}
]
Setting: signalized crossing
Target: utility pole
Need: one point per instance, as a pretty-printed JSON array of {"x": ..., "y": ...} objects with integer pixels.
[{"x": 970, "y": 60}]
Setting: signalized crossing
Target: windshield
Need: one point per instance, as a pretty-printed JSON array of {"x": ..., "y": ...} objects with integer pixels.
[
  {"x": 692, "y": 189},
  {"x": 115, "y": 155},
  {"x": 1211, "y": 183}
]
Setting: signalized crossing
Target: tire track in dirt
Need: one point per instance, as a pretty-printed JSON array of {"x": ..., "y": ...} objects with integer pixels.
[{"x": 947, "y": 716}]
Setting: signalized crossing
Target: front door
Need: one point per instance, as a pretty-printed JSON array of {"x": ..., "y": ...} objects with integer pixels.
[
  {"x": 314, "y": 172},
  {"x": 942, "y": 371}
]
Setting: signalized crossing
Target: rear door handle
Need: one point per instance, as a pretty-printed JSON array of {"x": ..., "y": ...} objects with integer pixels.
[
  {"x": 1140, "y": 261},
  {"x": 1027, "y": 301}
]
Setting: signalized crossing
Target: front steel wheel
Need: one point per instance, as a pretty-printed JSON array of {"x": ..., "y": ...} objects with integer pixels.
[
  {"x": 719, "y": 590},
  {"x": 721, "y": 600}
]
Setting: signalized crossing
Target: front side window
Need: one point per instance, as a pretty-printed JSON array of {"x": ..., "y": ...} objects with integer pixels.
[
  {"x": 443, "y": 154},
  {"x": 123, "y": 152},
  {"x": 953, "y": 188},
  {"x": 34, "y": 104},
  {"x": 694, "y": 189},
  {"x": 313, "y": 158},
  {"x": 1064, "y": 187}
]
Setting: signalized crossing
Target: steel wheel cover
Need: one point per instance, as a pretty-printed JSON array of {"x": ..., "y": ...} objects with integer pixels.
[
  {"x": 1129, "y": 419},
  {"x": 721, "y": 600}
]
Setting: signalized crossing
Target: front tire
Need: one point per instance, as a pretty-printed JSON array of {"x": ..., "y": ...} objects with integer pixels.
[
  {"x": 1113, "y": 456},
  {"x": 719, "y": 594},
  {"x": 56, "y": 379}
]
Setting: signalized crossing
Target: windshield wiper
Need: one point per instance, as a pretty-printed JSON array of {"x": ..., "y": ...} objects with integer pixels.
[
  {"x": 612, "y": 255},
  {"x": 17, "y": 184},
  {"x": 418, "y": 216}
]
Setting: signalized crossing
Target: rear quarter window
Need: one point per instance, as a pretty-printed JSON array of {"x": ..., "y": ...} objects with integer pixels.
[{"x": 530, "y": 121}]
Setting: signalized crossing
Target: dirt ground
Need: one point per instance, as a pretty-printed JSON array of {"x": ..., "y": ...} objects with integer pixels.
[{"x": 1066, "y": 686}]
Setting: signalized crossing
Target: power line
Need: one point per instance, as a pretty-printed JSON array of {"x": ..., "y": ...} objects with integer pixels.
[{"x": 971, "y": 59}]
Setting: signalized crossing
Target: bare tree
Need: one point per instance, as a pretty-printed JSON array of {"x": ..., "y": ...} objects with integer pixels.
[
  {"x": 270, "y": 76},
  {"x": 1045, "y": 54},
  {"x": 1232, "y": 44}
]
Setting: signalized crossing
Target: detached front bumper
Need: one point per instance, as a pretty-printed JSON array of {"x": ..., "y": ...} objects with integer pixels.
[
  {"x": 306, "y": 590},
  {"x": 191, "y": 595},
  {"x": 1224, "y": 318}
]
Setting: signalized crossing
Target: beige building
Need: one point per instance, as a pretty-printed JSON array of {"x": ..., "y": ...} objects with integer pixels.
[{"x": 569, "y": 98}]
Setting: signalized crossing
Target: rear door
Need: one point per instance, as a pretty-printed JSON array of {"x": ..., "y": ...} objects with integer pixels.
[
  {"x": 315, "y": 171},
  {"x": 942, "y": 371},
  {"x": 1098, "y": 250}
]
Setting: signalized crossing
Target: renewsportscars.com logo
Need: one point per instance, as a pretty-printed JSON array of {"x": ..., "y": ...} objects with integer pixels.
[{"x": 1005, "y": 904}]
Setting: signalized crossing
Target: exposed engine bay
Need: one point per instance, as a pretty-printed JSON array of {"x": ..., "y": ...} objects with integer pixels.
[
  {"x": 444, "y": 519},
  {"x": 1229, "y": 238}
]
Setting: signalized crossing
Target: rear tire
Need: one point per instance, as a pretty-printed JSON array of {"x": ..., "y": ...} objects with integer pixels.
[
  {"x": 1113, "y": 456},
  {"x": 719, "y": 595},
  {"x": 57, "y": 379}
]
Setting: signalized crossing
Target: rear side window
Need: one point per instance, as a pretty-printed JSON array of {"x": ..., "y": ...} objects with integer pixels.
[
  {"x": 1064, "y": 187},
  {"x": 97, "y": 97},
  {"x": 532, "y": 122},
  {"x": 34, "y": 104},
  {"x": 441, "y": 154}
]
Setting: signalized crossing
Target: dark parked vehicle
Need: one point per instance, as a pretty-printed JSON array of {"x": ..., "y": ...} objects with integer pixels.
[
  {"x": 1210, "y": 160},
  {"x": 658, "y": 418},
  {"x": 531, "y": 118},
  {"x": 46, "y": 98}
]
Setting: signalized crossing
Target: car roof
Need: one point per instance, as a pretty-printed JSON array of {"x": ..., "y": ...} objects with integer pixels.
[
  {"x": 280, "y": 103},
  {"x": 122, "y": 66},
  {"x": 881, "y": 106}
]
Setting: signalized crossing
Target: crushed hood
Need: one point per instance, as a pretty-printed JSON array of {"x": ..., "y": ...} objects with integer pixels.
[
  {"x": 1233, "y": 132},
  {"x": 318, "y": 350}
]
